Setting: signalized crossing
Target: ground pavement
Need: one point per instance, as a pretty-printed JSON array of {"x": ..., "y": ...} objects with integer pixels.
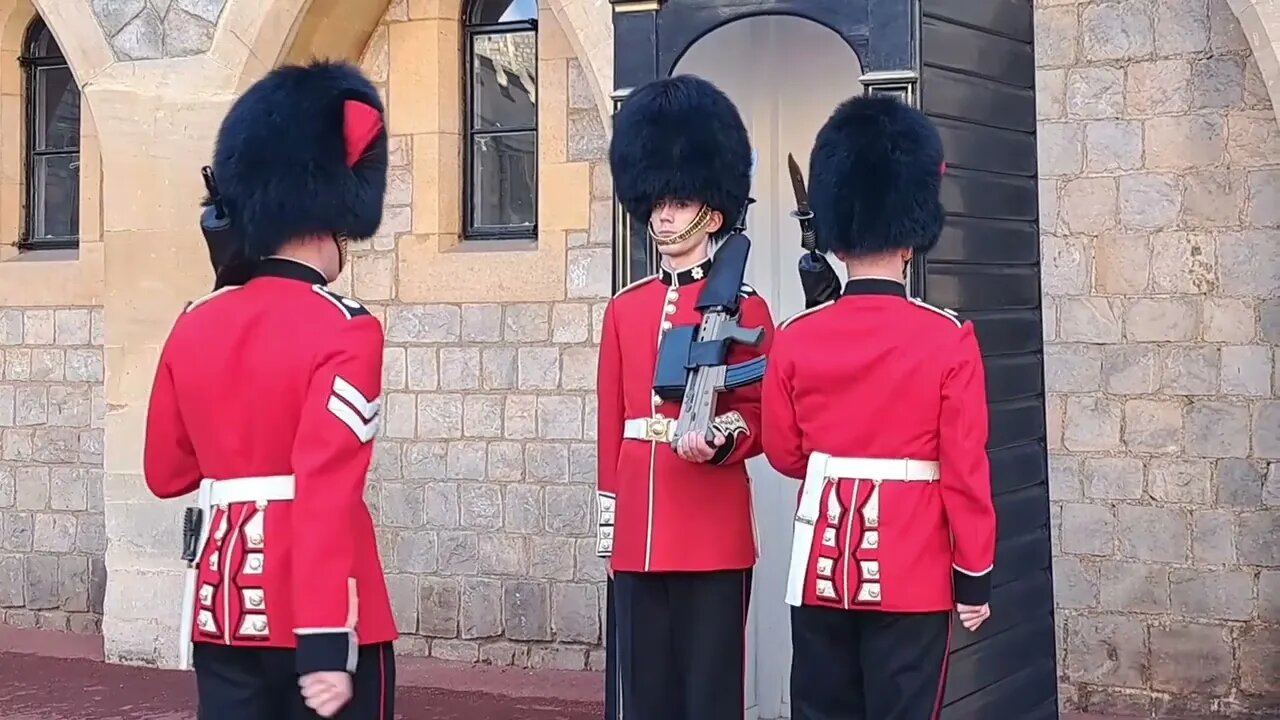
[{"x": 57, "y": 676}]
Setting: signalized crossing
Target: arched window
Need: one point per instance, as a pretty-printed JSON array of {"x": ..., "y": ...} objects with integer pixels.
[
  {"x": 501, "y": 124},
  {"x": 52, "y": 101}
]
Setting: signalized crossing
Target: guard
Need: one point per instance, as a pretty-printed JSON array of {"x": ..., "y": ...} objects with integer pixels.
[
  {"x": 675, "y": 514},
  {"x": 266, "y": 402},
  {"x": 878, "y": 402}
]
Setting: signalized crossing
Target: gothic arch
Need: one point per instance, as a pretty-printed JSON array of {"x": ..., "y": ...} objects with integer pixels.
[
  {"x": 274, "y": 31},
  {"x": 1260, "y": 20}
]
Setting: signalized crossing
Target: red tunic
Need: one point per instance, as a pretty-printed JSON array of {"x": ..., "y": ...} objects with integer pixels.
[
  {"x": 280, "y": 377},
  {"x": 876, "y": 375},
  {"x": 657, "y": 512}
]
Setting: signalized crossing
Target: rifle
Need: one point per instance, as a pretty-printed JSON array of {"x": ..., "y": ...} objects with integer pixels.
[
  {"x": 817, "y": 277},
  {"x": 694, "y": 366},
  {"x": 226, "y": 251}
]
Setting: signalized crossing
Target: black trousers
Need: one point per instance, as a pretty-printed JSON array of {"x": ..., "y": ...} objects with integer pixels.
[
  {"x": 681, "y": 644},
  {"x": 863, "y": 665},
  {"x": 238, "y": 683}
]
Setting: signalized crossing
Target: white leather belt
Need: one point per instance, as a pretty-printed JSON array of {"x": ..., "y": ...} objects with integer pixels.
[
  {"x": 271, "y": 488},
  {"x": 654, "y": 429},
  {"x": 222, "y": 493},
  {"x": 824, "y": 468}
]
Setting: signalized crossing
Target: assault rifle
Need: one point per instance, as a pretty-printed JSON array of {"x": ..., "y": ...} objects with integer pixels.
[{"x": 694, "y": 366}]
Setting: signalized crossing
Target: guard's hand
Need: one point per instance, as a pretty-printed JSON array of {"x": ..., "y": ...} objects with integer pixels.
[
  {"x": 972, "y": 616},
  {"x": 326, "y": 692},
  {"x": 693, "y": 447}
]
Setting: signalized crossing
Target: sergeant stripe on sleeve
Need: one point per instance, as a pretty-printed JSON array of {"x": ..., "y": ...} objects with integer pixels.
[{"x": 361, "y": 415}]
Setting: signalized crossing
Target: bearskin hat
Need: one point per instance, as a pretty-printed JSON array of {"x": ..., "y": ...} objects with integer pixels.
[
  {"x": 680, "y": 137},
  {"x": 303, "y": 151},
  {"x": 875, "y": 175}
]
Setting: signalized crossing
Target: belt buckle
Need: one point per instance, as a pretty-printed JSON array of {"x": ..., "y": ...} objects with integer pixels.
[{"x": 656, "y": 429}]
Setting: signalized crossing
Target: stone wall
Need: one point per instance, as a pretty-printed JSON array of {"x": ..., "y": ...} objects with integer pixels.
[
  {"x": 52, "y": 534},
  {"x": 483, "y": 476},
  {"x": 1160, "y": 158}
]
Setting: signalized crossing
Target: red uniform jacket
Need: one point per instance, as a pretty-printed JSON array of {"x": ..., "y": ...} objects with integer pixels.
[
  {"x": 278, "y": 377},
  {"x": 876, "y": 375},
  {"x": 657, "y": 512}
]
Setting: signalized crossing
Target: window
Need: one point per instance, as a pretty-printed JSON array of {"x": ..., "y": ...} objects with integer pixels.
[
  {"x": 53, "y": 144},
  {"x": 500, "y": 157}
]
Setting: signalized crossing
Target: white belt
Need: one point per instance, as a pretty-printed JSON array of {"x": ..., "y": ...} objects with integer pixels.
[
  {"x": 272, "y": 488},
  {"x": 215, "y": 493},
  {"x": 824, "y": 468},
  {"x": 654, "y": 429}
]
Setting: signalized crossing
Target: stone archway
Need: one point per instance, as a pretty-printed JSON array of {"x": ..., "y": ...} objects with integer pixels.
[
  {"x": 293, "y": 30},
  {"x": 1260, "y": 20}
]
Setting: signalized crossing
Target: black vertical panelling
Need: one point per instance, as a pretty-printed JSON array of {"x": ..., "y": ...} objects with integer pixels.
[{"x": 978, "y": 85}]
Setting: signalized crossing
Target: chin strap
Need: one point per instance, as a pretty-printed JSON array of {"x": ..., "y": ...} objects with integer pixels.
[{"x": 695, "y": 226}]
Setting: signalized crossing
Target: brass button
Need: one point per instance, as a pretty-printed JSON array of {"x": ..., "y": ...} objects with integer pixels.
[
  {"x": 670, "y": 309},
  {"x": 666, "y": 325},
  {"x": 256, "y": 539}
]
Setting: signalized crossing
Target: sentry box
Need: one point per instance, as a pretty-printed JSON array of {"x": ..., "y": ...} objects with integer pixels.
[{"x": 969, "y": 65}]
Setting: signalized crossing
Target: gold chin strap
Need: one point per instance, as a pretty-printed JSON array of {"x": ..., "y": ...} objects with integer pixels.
[{"x": 695, "y": 226}]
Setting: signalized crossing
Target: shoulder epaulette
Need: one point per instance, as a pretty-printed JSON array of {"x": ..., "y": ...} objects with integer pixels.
[
  {"x": 202, "y": 300},
  {"x": 349, "y": 308},
  {"x": 634, "y": 285},
  {"x": 805, "y": 313},
  {"x": 944, "y": 312},
  {"x": 747, "y": 290}
]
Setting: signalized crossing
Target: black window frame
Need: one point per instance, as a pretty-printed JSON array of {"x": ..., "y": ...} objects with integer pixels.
[
  {"x": 33, "y": 115},
  {"x": 474, "y": 28}
]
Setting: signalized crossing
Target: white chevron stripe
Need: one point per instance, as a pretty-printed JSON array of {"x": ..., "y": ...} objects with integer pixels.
[
  {"x": 355, "y": 411},
  {"x": 345, "y": 390},
  {"x": 364, "y": 430}
]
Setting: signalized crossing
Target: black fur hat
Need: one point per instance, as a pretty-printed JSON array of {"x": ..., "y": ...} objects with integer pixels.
[
  {"x": 295, "y": 157},
  {"x": 875, "y": 174},
  {"x": 680, "y": 137}
]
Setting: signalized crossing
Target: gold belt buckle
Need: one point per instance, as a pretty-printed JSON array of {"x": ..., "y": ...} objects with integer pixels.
[{"x": 657, "y": 429}]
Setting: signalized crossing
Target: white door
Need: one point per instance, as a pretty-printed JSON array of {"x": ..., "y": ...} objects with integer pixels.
[{"x": 786, "y": 75}]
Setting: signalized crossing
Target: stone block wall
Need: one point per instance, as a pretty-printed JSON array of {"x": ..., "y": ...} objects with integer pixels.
[
  {"x": 52, "y": 534},
  {"x": 1160, "y": 158},
  {"x": 482, "y": 481}
]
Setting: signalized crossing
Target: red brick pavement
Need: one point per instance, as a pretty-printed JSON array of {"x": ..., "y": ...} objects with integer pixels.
[{"x": 57, "y": 676}]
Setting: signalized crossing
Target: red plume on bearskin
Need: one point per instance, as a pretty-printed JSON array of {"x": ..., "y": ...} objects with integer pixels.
[{"x": 303, "y": 151}]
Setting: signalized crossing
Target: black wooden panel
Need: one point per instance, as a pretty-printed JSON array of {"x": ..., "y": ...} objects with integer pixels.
[
  {"x": 1016, "y": 467},
  {"x": 1011, "y": 18},
  {"x": 974, "y": 193},
  {"x": 965, "y": 288},
  {"x": 978, "y": 86},
  {"x": 1015, "y": 422},
  {"x": 1022, "y": 512},
  {"x": 956, "y": 47},
  {"x": 980, "y": 147},
  {"x": 1027, "y": 691},
  {"x": 634, "y": 60},
  {"x": 1021, "y": 556},
  {"x": 984, "y": 240},
  {"x": 964, "y": 97},
  {"x": 996, "y": 656},
  {"x": 1013, "y": 377},
  {"x": 1011, "y": 604},
  {"x": 1004, "y": 332}
]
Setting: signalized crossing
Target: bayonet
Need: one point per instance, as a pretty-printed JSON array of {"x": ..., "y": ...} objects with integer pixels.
[
  {"x": 817, "y": 277},
  {"x": 808, "y": 240}
]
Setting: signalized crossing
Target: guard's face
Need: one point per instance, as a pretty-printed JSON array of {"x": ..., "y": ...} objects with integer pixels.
[
  {"x": 333, "y": 257},
  {"x": 678, "y": 226}
]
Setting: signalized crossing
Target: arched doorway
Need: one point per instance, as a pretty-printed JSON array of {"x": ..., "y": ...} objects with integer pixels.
[{"x": 760, "y": 62}]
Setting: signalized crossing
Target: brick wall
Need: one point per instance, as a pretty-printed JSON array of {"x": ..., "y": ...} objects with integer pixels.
[
  {"x": 52, "y": 535},
  {"x": 1160, "y": 200},
  {"x": 483, "y": 476}
]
